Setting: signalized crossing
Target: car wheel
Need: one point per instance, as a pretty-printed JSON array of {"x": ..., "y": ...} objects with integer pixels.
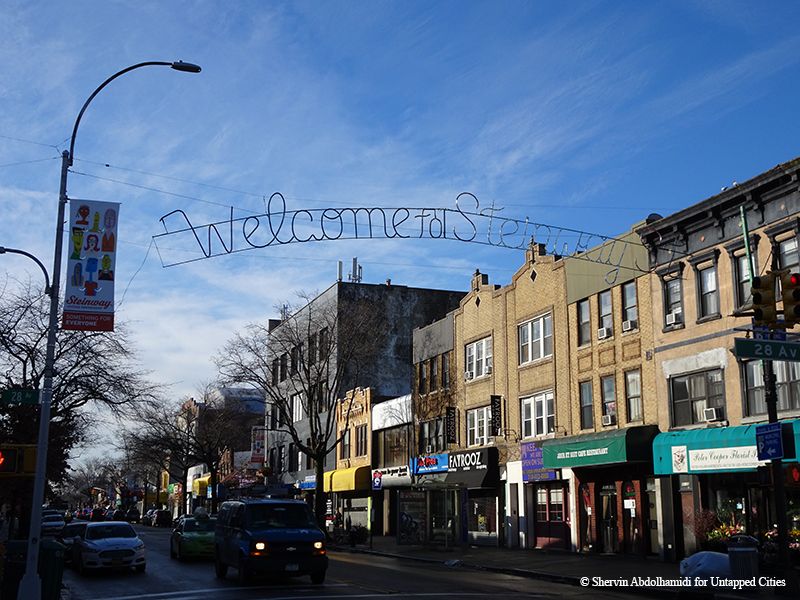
[
  {"x": 220, "y": 568},
  {"x": 141, "y": 568},
  {"x": 244, "y": 573},
  {"x": 172, "y": 551},
  {"x": 318, "y": 577}
]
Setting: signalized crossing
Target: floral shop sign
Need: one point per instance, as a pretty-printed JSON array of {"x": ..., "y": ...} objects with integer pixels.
[{"x": 716, "y": 459}]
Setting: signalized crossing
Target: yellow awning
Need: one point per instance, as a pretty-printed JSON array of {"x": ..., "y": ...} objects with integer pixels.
[
  {"x": 348, "y": 480},
  {"x": 200, "y": 485}
]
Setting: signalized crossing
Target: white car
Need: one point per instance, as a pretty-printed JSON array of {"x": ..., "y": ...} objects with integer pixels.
[
  {"x": 52, "y": 524},
  {"x": 108, "y": 545}
]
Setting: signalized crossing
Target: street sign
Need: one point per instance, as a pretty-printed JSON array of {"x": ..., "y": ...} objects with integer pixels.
[
  {"x": 761, "y": 332},
  {"x": 769, "y": 441},
  {"x": 20, "y": 396},
  {"x": 766, "y": 349}
]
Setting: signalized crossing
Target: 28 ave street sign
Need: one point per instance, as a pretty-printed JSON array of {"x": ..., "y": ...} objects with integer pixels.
[{"x": 766, "y": 349}]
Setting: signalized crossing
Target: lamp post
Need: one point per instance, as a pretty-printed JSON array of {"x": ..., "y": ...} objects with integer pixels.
[{"x": 30, "y": 586}]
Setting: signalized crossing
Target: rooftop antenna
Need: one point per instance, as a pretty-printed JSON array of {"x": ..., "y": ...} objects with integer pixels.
[
  {"x": 356, "y": 274},
  {"x": 338, "y": 270}
]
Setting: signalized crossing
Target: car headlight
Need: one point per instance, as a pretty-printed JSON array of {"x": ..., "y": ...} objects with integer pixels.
[
  {"x": 261, "y": 546},
  {"x": 139, "y": 546},
  {"x": 318, "y": 545}
]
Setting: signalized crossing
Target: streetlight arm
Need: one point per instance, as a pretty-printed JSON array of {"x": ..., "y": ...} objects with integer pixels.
[{"x": 4, "y": 250}]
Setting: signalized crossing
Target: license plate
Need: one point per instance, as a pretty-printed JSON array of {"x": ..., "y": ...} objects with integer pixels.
[
  {"x": 292, "y": 567},
  {"x": 116, "y": 561}
]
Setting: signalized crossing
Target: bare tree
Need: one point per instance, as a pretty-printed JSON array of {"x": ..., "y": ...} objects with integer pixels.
[{"x": 305, "y": 364}]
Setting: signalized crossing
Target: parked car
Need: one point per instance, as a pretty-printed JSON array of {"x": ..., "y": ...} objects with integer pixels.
[
  {"x": 192, "y": 537},
  {"x": 108, "y": 545},
  {"x": 132, "y": 516},
  {"x": 52, "y": 524},
  {"x": 98, "y": 514},
  {"x": 109, "y": 515},
  {"x": 67, "y": 536},
  {"x": 147, "y": 518},
  {"x": 269, "y": 536},
  {"x": 162, "y": 518}
]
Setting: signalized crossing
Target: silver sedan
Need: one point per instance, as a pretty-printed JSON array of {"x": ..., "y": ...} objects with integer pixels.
[{"x": 108, "y": 545}]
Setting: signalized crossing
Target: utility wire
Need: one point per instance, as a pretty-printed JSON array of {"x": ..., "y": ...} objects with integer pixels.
[{"x": 27, "y": 162}]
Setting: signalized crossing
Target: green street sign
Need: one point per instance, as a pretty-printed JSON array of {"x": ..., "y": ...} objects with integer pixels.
[
  {"x": 20, "y": 396},
  {"x": 766, "y": 349}
]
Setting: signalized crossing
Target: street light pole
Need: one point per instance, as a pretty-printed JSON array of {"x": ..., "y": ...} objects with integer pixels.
[{"x": 30, "y": 587}]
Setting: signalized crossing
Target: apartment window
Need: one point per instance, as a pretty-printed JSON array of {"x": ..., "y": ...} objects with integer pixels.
[
  {"x": 587, "y": 405},
  {"x": 344, "y": 446},
  {"x": 478, "y": 421},
  {"x": 298, "y": 414},
  {"x": 293, "y": 458},
  {"x": 431, "y": 435},
  {"x": 604, "y": 310},
  {"x": 538, "y": 414},
  {"x": 273, "y": 418},
  {"x": 284, "y": 366},
  {"x": 608, "y": 389},
  {"x": 584, "y": 323},
  {"x": 692, "y": 394},
  {"x": 312, "y": 349},
  {"x": 673, "y": 301},
  {"x": 446, "y": 370},
  {"x": 787, "y": 378},
  {"x": 742, "y": 274},
  {"x": 432, "y": 374},
  {"x": 423, "y": 377},
  {"x": 361, "y": 440},
  {"x": 630, "y": 311},
  {"x": 393, "y": 448},
  {"x": 309, "y": 459},
  {"x": 535, "y": 339},
  {"x": 479, "y": 357},
  {"x": 707, "y": 288},
  {"x": 788, "y": 256},
  {"x": 323, "y": 344},
  {"x": 273, "y": 459},
  {"x": 633, "y": 395},
  {"x": 294, "y": 360},
  {"x": 275, "y": 371},
  {"x": 281, "y": 466}
]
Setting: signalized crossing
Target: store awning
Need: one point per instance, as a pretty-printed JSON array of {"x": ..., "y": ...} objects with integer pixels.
[
  {"x": 631, "y": 444},
  {"x": 478, "y": 468},
  {"x": 716, "y": 449},
  {"x": 348, "y": 480},
  {"x": 200, "y": 485}
]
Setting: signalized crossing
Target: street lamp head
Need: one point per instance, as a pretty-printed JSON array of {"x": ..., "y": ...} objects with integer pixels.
[{"x": 185, "y": 66}]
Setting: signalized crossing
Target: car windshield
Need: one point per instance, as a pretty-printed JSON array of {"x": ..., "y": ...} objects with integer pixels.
[
  {"x": 53, "y": 518},
  {"x": 110, "y": 531},
  {"x": 199, "y": 525},
  {"x": 73, "y": 530},
  {"x": 279, "y": 516}
]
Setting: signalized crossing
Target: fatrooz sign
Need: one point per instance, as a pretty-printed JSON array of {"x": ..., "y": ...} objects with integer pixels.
[{"x": 467, "y": 461}]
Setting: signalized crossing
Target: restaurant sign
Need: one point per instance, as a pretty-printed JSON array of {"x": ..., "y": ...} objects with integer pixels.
[
  {"x": 391, "y": 477},
  {"x": 430, "y": 463}
]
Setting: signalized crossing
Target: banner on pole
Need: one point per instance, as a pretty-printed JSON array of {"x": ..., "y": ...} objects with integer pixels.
[
  {"x": 89, "y": 292},
  {"x": 257, "y": 446}
]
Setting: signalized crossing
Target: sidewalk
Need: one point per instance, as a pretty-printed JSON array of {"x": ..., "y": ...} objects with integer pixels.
[{"x": 559, "y": 567}]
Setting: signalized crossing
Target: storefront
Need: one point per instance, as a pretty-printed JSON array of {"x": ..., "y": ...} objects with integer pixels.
[
  {"x": 350, "y": 490},
  {"x": 477, "y": 474},
  {"x": 386, "y": 484},
  {"x": 545, "y": 502},
  {"x": 615, "y": 503},
  {"x": 718, "y": 478},
  {"x": 430, "y": 512}
]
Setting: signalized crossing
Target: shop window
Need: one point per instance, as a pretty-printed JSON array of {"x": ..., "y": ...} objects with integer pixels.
[
  {"x": 556, "y": 504},
  {"x": 535, "y": 339},
  {"x": 633, "y": 395},
  {"x": 630, "y": 311},
  {"x": 692, "y": 394},
  {"x": 584, "y": 323},
  {"x": 538, "y": 414},
  {"x": 549, "y": 504},
  {"x": 587, "y": 407},
  {"x": 482, "y": 515},
  {"x": 787, "y": 378},
  {"x": 708, "y": 300},
  {"x": 606, "y": 316},
  {"x": 361, "y": 440},
  {"x": 478, "y": 358},
  {"x": 478, "y": 422},
  {"x": 541, "y": 504}
]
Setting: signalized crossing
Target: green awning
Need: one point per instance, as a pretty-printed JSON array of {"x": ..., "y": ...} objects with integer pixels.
[
  {"x": 632, "y": 444},
  {"x": 716, "y": 449}
]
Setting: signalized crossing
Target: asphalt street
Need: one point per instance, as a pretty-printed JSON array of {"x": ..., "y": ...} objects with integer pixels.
[{"x": 349, "y": 575}]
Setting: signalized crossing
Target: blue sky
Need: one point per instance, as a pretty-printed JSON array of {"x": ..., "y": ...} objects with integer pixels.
[{"x": 588, "y": 115}]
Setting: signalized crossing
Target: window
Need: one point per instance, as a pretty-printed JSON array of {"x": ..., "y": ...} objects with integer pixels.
[
  {"x": 609, "y": 392},
  {"x": 446, "y": 370},
  {"x": 604, "y": 310},
  {"x": 274, "y": 421},
  {"x": 309, "y": 459},
  {"x": 281, "y": 466},
  {"x": 344, "y": 446},
  {"x": 294, "y": 360},
  {"x": 549, "y": 504},
  {"x": 392, "y": 446},
  {"x": 275, "y": 371},
  {"x": 536, "y": 339},
  {"x": 692, "y": 394},
  {"x": 293, "y": 458},
  {"x": 312, "y": 349},
  {"x": 587, "y": 405},
  {"x": 541, "y": 504},
  {"x": 431, "y": 435},
  {"x": 707, "y": 288},
  {"x": 284, "y": 366},
  {"x": 633, "y": 395},
  {"x": 538, "y": 414},
  {"x": 478, "y": 422},
  {"x": 432, "y": 374},
  {"x": 273, "y": 459},
  {"x": 742, "y": 278},
  {"x": 298, "y": 414},
  {"x": 788, "y": 256},
  {"x": 629, "y": 308},
  {"x": 361, "y": 440},
  {"x": 787, "y": 378},
  {"x": 673, "y": 301},
  {"x": 423, "y": 376},
  {"x": 584, "y": 323},
  {"x": 324, "y": 351},
  {"x": 479, "y": 357}
]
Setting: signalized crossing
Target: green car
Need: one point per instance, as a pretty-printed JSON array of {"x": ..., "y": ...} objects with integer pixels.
[{"x": 192, "y": 537}]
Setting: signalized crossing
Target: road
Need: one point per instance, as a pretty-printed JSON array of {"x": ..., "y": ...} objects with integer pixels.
[{"x": 352, "y": 575}]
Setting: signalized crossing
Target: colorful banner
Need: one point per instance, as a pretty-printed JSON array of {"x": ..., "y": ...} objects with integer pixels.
[
  {"x": 257, "y": 446},
  {"x": 89, "y": 292}
]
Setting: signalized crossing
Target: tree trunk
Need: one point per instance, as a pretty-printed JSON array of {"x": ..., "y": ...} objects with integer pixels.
[
  {"x": 213, "y": 483},
  {"x": 319, "y": 492}
]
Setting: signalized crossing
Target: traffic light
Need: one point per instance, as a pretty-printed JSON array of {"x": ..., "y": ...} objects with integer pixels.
[
  {"x": 763, "y": 290},
  {"x": 790, "y": 293},
  {"x": 8, "y": 460}
]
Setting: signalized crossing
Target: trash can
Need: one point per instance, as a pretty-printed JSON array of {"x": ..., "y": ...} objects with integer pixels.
[
  {"x": 51, "y": 568},
  {"x": 743, "y": 557}
]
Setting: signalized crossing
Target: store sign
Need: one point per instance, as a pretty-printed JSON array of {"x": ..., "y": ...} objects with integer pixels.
[
  {"x": 451, "y": 425},
  {"x": 391, "y": 477},
  {"x": 430, "y": 463},
  {"x": 497, "y": 416},
  {"x": 309, "y": 483},
  {"x": 533, "y": 463},
  {"x": 257, "y": 447},
  {"x": 716, "y": 459}
]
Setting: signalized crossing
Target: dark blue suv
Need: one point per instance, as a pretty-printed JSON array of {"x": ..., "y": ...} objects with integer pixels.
[{"x": 269, "y": 537}]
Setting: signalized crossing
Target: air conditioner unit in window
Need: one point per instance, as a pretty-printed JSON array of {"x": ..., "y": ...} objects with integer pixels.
[
  {"x": 489, "y": 370},
  {"x": 629, "y": 325},
  {"x": 712, "y": 414},
  {"x": 603, "y": 333},
  {"x": 673, "y": 318},
  {"x": 609, "y": 420},
  {"x": 428, "y": 449},
  {"x": 468, "y": 375}
]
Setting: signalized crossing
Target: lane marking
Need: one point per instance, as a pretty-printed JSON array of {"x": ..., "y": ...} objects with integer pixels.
[{"x": 187, "y": 593}]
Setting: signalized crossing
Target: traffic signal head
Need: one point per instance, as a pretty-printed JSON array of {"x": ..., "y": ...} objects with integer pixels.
[
  {"x": 764, "y": 310},
  {"x": 8, "y": 460},
  {"x": 790, "y": 294}
]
